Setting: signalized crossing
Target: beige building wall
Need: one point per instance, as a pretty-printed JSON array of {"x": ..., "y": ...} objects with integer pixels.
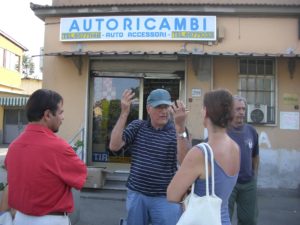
[
  {"x": 226, "y": 73},
  {"x": 261, "y": 35},
  {"x": 195, "y": 104},
  {"x": 65, "y": 79},
  {"x": 280, "y": 148},
  {"x": 30, "y": 85}
]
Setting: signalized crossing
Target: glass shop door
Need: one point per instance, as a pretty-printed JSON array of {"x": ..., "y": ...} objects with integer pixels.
[{"x": 106, "y": 97}]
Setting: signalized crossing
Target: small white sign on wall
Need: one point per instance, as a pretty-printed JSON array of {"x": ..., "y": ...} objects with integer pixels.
[
  {"x": 196, "y": 92},
  {"x": 289, "y": 120}
]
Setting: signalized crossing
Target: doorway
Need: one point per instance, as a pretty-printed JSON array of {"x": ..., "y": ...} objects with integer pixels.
[
  {"x": 171, "y": 85},
  {"x": 15, "y": 121},
  {"x": 106, "y": 97}
]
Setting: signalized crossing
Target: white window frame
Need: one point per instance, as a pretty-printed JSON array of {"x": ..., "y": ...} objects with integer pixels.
[{"x": 246, "y": 92}]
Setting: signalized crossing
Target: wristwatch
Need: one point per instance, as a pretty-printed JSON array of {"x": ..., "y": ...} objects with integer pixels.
[{"x": 182, "y": 135}]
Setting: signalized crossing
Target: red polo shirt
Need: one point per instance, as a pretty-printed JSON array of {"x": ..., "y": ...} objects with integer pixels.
[{"x": 41, "y": 170}]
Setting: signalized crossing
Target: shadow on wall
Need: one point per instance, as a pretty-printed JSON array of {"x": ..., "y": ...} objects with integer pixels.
[{"x": 279, "y": 168}]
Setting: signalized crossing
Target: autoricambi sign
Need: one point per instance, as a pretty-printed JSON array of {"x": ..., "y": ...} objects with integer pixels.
[{"x": 193, "y": 28}]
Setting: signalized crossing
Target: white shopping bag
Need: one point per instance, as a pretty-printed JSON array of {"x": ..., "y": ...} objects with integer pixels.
[{"x": 6, "y": 219}]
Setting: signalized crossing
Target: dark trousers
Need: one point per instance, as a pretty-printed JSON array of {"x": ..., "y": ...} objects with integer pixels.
[{"x": 245, "y": 198}]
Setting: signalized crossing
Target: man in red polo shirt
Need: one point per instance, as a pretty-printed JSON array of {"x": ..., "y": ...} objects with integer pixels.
[{"x": 42, "y": 168}]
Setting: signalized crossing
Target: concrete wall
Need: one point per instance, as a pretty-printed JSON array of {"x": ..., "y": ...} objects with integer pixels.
[{"x": 279, "y": 168}]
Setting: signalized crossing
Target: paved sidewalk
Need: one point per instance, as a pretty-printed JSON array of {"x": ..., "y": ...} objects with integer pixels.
[
  {"x": 276, "y": 207},
  {"x": 97, "y": 208}
]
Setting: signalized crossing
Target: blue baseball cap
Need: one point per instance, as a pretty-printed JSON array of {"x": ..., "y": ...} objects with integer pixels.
[{"x": 159, "y": 97}]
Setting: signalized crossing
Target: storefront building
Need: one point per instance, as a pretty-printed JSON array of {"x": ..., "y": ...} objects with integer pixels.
[
  {"x": 95, "y": 49},
  {"x": 14, "y": 90}
]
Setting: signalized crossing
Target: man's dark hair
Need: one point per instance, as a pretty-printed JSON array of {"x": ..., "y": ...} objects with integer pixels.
[
  {"x": 40, "y": 101},
  {"x": 219, "y": 105}
]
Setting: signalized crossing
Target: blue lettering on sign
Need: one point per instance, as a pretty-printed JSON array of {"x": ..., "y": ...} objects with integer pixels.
[
  {"x": 87, "y": 27},
  {"x": 180, "y": 24},
  {"x": 74, "y": 26},
  {"x": 194, "y": 24},
  {"x": 165, "y": 24},
  {"x": 112, "y": 24},
  {"x": 138, "y": 24},
  {"x": 100, "y": 157},
  {"x": 147, "y": 25},
  {"x": 99, "y": 23},
  {"x": 127, "y": 24},
  {"x": 171, "y": 27},
  {"x": 114, "y": 34}
]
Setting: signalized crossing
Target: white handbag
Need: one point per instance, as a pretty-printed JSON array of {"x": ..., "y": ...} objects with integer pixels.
[
  {"x": 205, "y": 210},
  {"x": 6, "y": 218}
]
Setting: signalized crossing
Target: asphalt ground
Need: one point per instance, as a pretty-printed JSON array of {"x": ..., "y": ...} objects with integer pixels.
[{"x": 276, "y": 206}]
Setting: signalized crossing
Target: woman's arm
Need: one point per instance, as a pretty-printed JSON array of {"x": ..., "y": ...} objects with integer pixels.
[{"x": 191, "y": 168}]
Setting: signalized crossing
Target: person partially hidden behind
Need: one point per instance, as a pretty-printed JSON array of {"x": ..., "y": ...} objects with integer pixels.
[
  {"x": 154, "y": 157},
  {"x": 41, "y": 167},
  {"x": 244, "y": 193},
  {"x": 216, "y": 116}
]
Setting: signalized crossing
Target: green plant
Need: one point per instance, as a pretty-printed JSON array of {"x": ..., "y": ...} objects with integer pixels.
[
  {"x": 78, "y": 144},
  {"x": 2, "y": 186}
]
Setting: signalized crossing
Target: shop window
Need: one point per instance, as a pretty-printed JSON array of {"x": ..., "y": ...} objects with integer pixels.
[
  {"x": 257, "y": 84},
  {"x": 11, "y": 61},
  {"x": 107, "y": 94},
  {"x": 17, "y": 63},
  {"x": 15, "y": 121}
]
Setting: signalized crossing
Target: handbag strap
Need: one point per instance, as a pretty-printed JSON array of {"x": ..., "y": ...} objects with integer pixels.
[
  {"x": 206, "y": 146},
  {"x": 212, "y": 166}
]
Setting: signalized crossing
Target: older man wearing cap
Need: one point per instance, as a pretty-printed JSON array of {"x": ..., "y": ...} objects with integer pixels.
[{"x": 155, "y": 155}]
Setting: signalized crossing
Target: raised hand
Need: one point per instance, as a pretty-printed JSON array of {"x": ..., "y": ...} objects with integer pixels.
[
  {"x": 126, "y": 101},
  {"x": 179, "y": 113}
]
